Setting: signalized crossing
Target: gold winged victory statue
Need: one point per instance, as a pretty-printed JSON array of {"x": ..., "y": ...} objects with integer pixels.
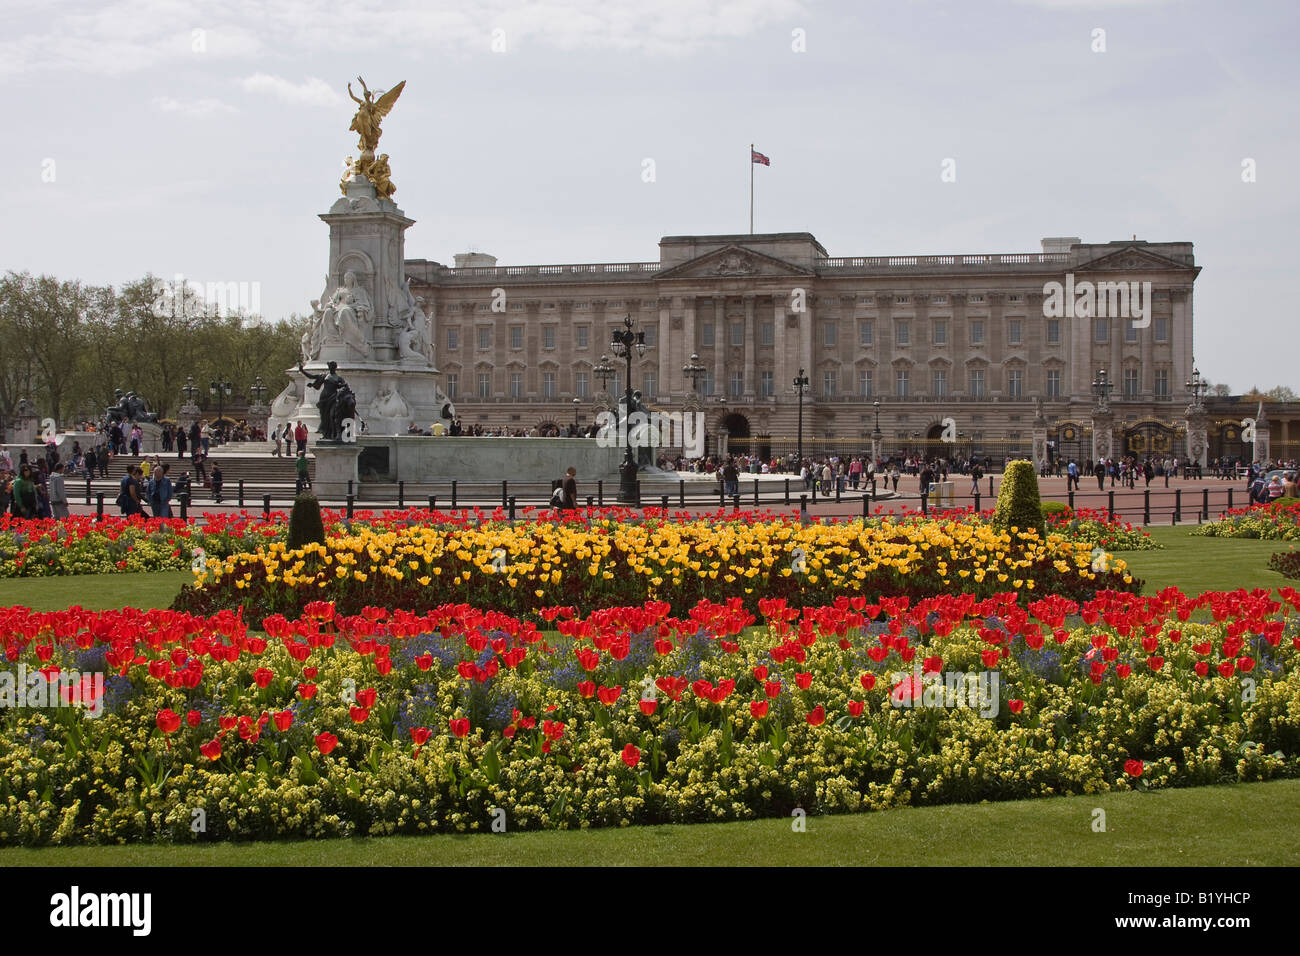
[{"x": 370, "y": 112}]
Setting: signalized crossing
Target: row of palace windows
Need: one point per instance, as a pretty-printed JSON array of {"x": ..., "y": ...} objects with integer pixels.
[
  {"x": 977, "y": 329},
  {"x": 830, "y": 383}
]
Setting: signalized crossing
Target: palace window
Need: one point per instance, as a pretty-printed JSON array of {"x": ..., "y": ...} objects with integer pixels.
[
  {"x": 765, "y": 386},
  {"x": 977, "y": 332},
  {"x": 484, "y": 384},
  {"x": 1101, "y": 330},
  {"x": 1013, "y": 331},
  {"x": 516, "y": 385},
  {"x": 866, "y": 332},
  {"x": 1130, "y": 383},
  {"x": 652, "y": 335},
  {"x": 940, "y": 332},
  {"x": 737, "y": 384},
  {"x": 939, "y": 382},
  {"x": 1130, "y": 331},
  {"x": 485, "y": 337},
  {"x": 865, "y": 385},
  {"x": 452, "y": 385},
  {"x": 649, "y": 385},
  {"x": 548, "y": 336},
  {"x": 901, "y": 383},
  {"x": 1053, "y": 383},
  {"x": 830, "y": 334},
  {"x": 1015, "y": 382},
  {"x": 548, "y": 384},
  {"x": 1161, "y": 329},
  {"x": 516, "y": 336},
  {"x": 977, "y": 382},
  {"x": 453, "y": 339},
  {"x": 1053, "y": 331},
  {"x": 828, "y": 384},
  {"x": 1162, "y": 383},
  {"x": 581, "y": 385},
  {"x": 737, "y": 333},
  {"x": 902, "y": 334},
  {"x": 584, "y": 336},
  {"x": 766, "y": 333},
  {"x": 706, "y": 333}
]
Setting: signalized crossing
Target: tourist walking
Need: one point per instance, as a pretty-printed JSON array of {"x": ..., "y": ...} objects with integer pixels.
[
  {"x": 301, "y": 466},
  {"x": 300, "y": 436},
  {"x": 58, "y": 493},
  {"x": 569, "y": 499}
]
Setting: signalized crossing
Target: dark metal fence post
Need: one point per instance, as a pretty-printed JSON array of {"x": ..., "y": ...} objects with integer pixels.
[
  {"x": 990, "y": 486},
  {"x": 185, "y": 506},
  {"x": 99, "y": 506},
  {"x": 600, "y": 493},
  {"x": 350, "y": 501},
  {"x": 837, "y": 488},
  {"x": 1178, "y": 505},
  {"x": 681, "y": 492},
  {"x": 349, "y": 487},
  {"x": 755, "y": 492},
  {"x": 512, "y": 507},
  {"x": 664, "y": 503},
  {"x": 401, "y": 494},
  {"x": 866, "y": 507},
  {"x": 977, "y": 499},
  {"x": 89, "y": 491},
  {"x": 925, "y": 502},
  {"x": 503, "y": 493},
  {"x": 453, "y": 495},
  {"x": 1110, "y": 506},
  {"x": 1069, "y": 497},
  {"x": 1229, "y": 497},
  {"x": 735, "y": 502},
  {"x": 803, "y": 509},
  {"x": 1205, "y": 504},
  {"x": 787, "y": 492},
  {"x": 241, "y": 492},
  {"x": 1146, "y": 506},
  {"x": 433, "y": 502},
  {"x": 266, "y": 505}
]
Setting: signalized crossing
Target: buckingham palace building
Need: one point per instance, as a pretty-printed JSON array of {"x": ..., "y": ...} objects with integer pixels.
[{"x": 918, "y": 347}]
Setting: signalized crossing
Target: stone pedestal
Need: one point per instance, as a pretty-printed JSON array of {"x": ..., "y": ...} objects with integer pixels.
[
  {"x": 25, "y": 430},
  {"x": 1103, "y": 434},
  {"x": 189, "y": 414},
  {"x": 336, "y": 465},
  {"x": 1198, "y": 445}
]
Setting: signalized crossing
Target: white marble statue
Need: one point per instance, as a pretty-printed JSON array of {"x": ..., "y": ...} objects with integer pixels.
[
  {"x": 389, "y": 403},
  {"x": 352, "y": 311}
]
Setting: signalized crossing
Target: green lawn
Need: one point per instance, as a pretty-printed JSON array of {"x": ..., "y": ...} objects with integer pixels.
[
  {"x": 1205, "y": 564},
  {"x": 96, "y": 592},
  {"x": 1235, "y": 825}
]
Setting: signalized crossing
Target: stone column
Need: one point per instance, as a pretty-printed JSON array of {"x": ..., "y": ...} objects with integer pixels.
[
  {"x": 1262, "y": 447},
  {"x": 751, "y": 372},
  {"x": 721, "y": 338},
  {"x": 668, "y": 376},
  {"x": 1103, "y": 425},
  {"x": 1039, "y": 436},
  {"x": 1197, "y": 439},
  {"x": 782, "y": 374},
  {"x": 688, "y": 328}
]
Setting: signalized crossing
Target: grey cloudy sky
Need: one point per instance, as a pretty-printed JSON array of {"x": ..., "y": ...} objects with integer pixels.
[{"x": 210, "y": 153}]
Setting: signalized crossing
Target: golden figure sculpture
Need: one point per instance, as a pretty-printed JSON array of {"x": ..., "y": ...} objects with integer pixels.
[{"x": 370, "y": 112}]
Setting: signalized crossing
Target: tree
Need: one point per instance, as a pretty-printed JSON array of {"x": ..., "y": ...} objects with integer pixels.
[
  {"x": 47, "y": 319},
  {"x": 1221, "y": 390}
]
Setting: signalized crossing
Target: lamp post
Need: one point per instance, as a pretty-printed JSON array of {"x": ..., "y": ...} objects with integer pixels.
[
  {"x": 624, "y": 342},
  {"x": 222, "y": 389},
  {"x": 576, "y": 402},
  {"x": 800, "y": 386},
  {"x": 257, "y": 391},
  {"x": 1198, "y": 387},
  {"x": 1101, "y": 387},
  {"x": 190, "y": 390}
]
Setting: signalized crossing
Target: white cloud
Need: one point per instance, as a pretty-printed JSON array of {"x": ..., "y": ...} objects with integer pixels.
[
  {"x": 312, "y": 92},
  {"x": 204, "y": 106}
]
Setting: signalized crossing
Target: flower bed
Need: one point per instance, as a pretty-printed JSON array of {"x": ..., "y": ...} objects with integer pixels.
[
  {"x": 1097, "y": 528},
  {"x": 1285, "y": 563},
  {"x": 1275, "y": 522},
  {"x": 604, "y": 561},
  {"x": 459, "y": 718}
]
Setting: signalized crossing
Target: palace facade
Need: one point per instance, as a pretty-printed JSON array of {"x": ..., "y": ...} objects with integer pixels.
[{"x": 905, "y": 341}]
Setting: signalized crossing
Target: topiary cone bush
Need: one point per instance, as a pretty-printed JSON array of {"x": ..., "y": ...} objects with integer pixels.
[
  {"x": 305, "y": 523},
  {"x": 1018, "y": 502}
]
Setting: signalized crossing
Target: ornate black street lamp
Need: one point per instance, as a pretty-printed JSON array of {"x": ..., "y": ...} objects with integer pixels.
[
  {"x": 190, "y": 390},
  {"x": 625, "y": 342},
  {"x": 257, "y": 391},
  {"x": 221, "y": 389},
  {"x": 576, "y": 403},
  {"x": 800, "y": 386},
  {"x": 1198, "y": 387},
  {"x": 1101, "y": 388}
]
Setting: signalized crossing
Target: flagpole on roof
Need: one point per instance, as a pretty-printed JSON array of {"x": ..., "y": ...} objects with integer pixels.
[{"x": 751, "y": 189}]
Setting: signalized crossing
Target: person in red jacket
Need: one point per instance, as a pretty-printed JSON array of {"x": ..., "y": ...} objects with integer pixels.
[{"x": 300, "y": 436}]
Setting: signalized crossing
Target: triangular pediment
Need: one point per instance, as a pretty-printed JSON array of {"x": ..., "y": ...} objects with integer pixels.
[
  {"x": 733, "y": 262},
  {"x": 1133, "y": 259}
]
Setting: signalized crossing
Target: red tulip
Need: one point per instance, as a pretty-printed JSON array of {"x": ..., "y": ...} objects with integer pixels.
[
  {"x": 1245, "y": 664},
  {"x": 226, "y": 723},
  {"x": 168, "y": 721},
  {"x": 193, "y": 718},
  {"x": 1016, "y": 706},
  {"x": 1227, "y": 667},
  {"x": 283, "y": 719},
  {"x": 760, "y": 673},
  {"x": 817, "y": 717},
  {"x": 459, "y": 726},
  {"x": 631, "y": 755},
  {"x": 1201, "y": 668},
  {"x": 758, "y": 708},
  {"x": 1155, "y": 662},
  {"x": 608, "y": 695},
  {"x": 1123, "y": 670},
  {"x": 262, "y": 676},
  {"x": 211, "y": 750},
  {"x": 932, "y": 665},
  {"x": 878, "y": 653},
  {"x": 663, "y": 647},
  {"x": 366, "y": 698},
  {"x": 1133, "y": 768},
  {"x": 383, "y": 665},
  {"x": 772, "y": 688},
  {"x": 420, "y": 735},
  {"x": 867, "y": 680},
  {"x": 587, "y": 688},
  {"x": 424, "y": 661},
  {"x": 307, "y": 691},
  {"x": 648, "y": 705},
  {"x": 855, "y": 708},
  {"x": 309, "y": 673},
  {"x": 359, "y": 714},
  {"x": 803, "y": 680},
  {"x": 326, "y": 742}
]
